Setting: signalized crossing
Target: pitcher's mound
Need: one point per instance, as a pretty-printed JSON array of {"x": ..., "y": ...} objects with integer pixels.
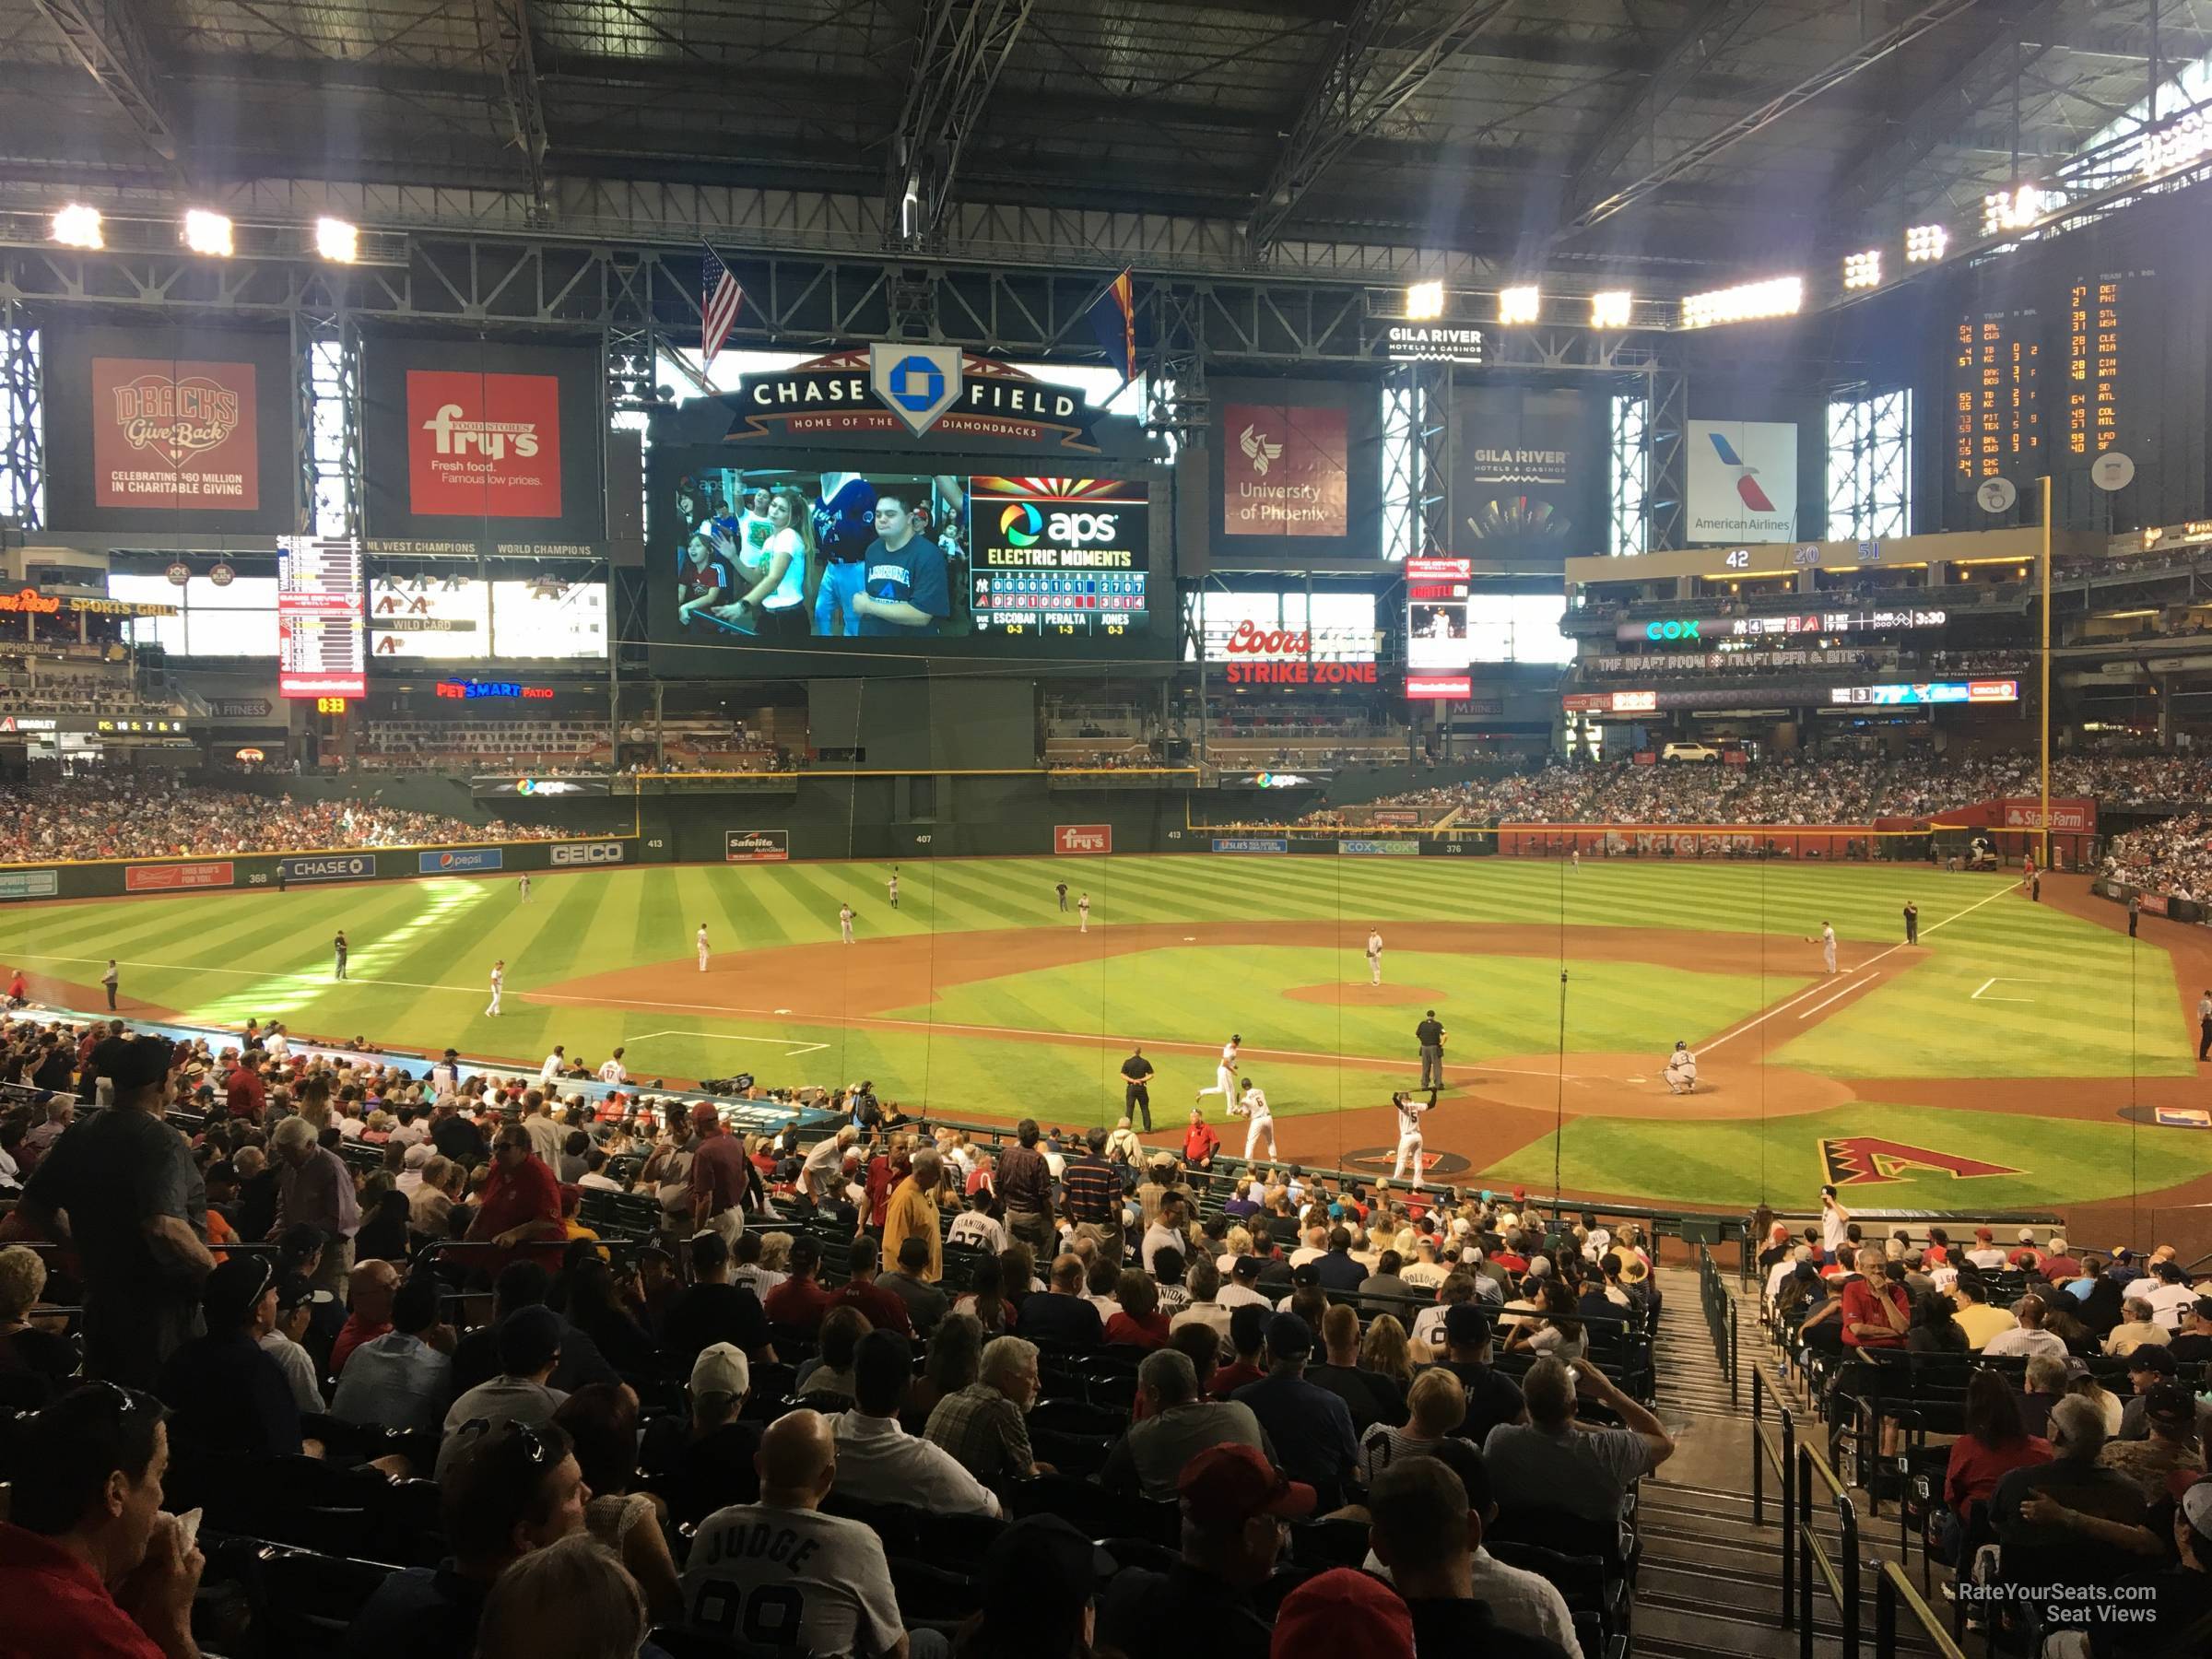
[{"x": 1359, "y": 992}]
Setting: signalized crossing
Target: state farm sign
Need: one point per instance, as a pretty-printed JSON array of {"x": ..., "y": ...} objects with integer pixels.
[
  {"x": 483, "y": 445},
  {"x": 1082, "y": 837},
  {"x": 2075, "y": 815}
]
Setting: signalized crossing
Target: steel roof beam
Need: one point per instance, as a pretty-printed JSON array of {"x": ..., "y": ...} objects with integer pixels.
[
  {"x": 1355, "y": 89},
  {"x": 1977, "y": 83},
  {"x": 503, "y": 30},
  {"x": 1778, "y": 108},
  {"x": 1703, "y": 36},
  {"x": 963, "y": 45},
  {"x": 108, "y": 37}
]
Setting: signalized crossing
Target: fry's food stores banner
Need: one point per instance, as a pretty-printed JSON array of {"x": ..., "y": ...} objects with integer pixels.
[
  {"x": 169, "y": 429},
  {"x": 480, "y": 441}
]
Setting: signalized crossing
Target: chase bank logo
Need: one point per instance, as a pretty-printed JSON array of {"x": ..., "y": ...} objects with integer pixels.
[
  {"x": 1021, "y": 525},
  {"x": 917, "y": 384}
]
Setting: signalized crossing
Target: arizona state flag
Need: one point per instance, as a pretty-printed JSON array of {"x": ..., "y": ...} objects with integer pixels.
[{"x": 1112, "y": 317}]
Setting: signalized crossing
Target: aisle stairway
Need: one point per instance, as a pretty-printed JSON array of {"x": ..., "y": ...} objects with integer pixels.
[{"x": 1711, "y": 1581}]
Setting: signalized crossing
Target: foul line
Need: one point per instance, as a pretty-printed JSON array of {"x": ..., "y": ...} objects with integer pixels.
[
  {"x": 1838, "y": 996},
  {"x": 1784, "y": 1007},
  {"x": 790, "y": 1046},
  {"x": 2004, "y": 979}
]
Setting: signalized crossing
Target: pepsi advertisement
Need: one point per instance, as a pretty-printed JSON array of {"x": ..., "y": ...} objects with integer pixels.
[{"x": 831, "y": 565}]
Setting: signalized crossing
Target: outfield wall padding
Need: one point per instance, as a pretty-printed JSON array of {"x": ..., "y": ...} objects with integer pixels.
[{"x": 247, "y": 871}]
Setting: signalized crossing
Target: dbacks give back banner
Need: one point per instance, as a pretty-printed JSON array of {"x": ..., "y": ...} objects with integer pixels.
[{"x": 163, "y": 428}]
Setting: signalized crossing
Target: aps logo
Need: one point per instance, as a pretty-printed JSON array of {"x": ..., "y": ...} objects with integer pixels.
[
  {"x": 1024, "y": 526},
  {"x": 1747, "y": 491}
]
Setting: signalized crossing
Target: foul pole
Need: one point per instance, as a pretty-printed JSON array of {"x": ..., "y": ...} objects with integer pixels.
[{"x": 2044, "y": 816}]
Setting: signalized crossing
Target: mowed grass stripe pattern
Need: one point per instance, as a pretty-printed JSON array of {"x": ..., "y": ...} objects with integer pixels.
[{"x": 422, "y": 951}]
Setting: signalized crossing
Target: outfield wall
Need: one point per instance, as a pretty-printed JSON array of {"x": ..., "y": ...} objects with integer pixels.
[{"x": 113, "y": 878}]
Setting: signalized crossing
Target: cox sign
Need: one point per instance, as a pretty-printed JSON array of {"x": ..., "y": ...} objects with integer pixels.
[{"x": 1675, "y": 628}]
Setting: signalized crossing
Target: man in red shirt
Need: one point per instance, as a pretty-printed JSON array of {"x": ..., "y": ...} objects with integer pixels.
[
  {"x": 243, "y": 1095},
  {"x": 1877, "y": 1315},
  {"x": 800, "y": 1302},
  {"x": 883, "y": 1307},
  {"x": 521, "y": 1205},
  {"x": 718, "y": 1176},
  {"x": 90, "y": 1567},
  {"x": 1200, "y": 1141},
  {"x": 369, "y": 1292}
]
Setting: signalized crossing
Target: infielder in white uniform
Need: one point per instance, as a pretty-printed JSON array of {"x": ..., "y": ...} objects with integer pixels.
[
  {"x": 703, "y": 946},
  {"x": 1225, "y": 1075},
  {"x": 1083, "y": 913},
  {"x": 844, "y": 923},
  {"x": 1827, "y": 946},
  {"x": 1375, "y": 957},
  {"x": 1410, "y": 1113},
  {"x": 1681, "y": 1071},
  {"x": 1252, "y": 1106},
  {"x": 498, "y": 978}
]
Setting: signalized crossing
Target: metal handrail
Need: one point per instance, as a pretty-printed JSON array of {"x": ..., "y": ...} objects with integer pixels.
[
  {"x": 1841, "y": 1576},
  {"x": 1720, "y": 1318},
  {"x": 1784, "y": 1462},
  {"x": 1891, "y": 1587}
]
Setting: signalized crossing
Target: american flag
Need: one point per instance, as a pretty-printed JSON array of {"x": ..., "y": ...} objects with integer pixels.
[{"x": 719, "y": 298}]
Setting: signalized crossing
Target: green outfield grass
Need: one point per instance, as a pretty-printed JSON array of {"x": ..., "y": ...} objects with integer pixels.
[{"x": 2011, "y": 990}]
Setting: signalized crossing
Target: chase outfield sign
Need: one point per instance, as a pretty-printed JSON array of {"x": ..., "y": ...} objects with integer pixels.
[{"x": 905, "y": 390}]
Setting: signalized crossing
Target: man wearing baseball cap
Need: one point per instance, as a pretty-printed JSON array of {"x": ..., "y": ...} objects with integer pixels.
[
  {"x": 1311, "y": 1427},
  {"x": 1985, "y": 1253},
  {"x": 1235, "y": 1511},
  {"x": 1492, "y": 1396},
  {"x": 1343, "y": 1611},
  {"x": 223, "y": 1392},
  {"x": 719, "y": 1173},
  {"x": 2194, "y": 1345}
]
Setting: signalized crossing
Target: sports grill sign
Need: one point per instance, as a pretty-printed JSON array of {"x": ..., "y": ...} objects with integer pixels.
[
  {"x": 1082, "y": 837},
  {"x": 180, "y": 428}
]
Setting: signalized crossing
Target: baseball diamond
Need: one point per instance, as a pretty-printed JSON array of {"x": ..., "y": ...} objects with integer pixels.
[{"x": 976, "y": 997}]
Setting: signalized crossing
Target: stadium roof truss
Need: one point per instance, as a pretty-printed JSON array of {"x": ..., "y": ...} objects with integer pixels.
[{"x": 1658, "y": 143}]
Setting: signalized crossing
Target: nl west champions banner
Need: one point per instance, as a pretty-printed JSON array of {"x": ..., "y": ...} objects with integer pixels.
[
  {"x": 168, "y": 429},
  {"x": 479, "y": 442},
  {"x": 1742, "y": 480}
]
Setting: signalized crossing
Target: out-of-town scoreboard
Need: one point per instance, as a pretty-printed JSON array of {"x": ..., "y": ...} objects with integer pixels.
[{"x": 1996, "y": 406}]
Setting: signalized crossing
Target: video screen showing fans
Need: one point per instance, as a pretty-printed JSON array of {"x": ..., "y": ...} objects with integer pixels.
[{"x": 790, "y": 557}]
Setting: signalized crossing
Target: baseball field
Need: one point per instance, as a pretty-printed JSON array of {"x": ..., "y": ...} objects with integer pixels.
[{"x": 2017, "y": 1055}]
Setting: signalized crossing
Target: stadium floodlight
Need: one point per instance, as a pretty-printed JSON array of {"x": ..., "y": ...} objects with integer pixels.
[
  {"x": 1863, "y": 270},
  {"x": 1924, "y": 245},
  {"x": 77, "y": 225},
  {"x": 2013, "y": 209},
  {"x": 208, "y": 233},
  {"x": 336, "y": 241},
  {"x": 1746, "y": 302},
  {"x": 1610, "y": 308},
  {"x": 1424, "y": 301},
  {"x": 1523, "y": 304}
]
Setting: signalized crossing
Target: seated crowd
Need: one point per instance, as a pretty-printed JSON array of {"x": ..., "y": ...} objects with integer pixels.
[
  {"x": 1784, "y": 791},
  {"x": 614, "y": 1368},
  {"x": 142, "y": 816},
  {"x": 2076, "y": 1387}
]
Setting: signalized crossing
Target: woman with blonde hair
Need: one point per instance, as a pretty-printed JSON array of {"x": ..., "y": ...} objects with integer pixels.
[
  {"x": 1386, "y": 1350},
  {"x": 774, "y": 602},
  {"x": 775, "y": 1253},
  {"x": 1236, "y": 1242},
  {"x": 1436, "y": 1405}
]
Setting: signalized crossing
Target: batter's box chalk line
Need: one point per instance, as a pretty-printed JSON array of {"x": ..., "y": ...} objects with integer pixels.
[
  {"x": 2006, "y": 979},
  {"x": 785, "y": 1043}
]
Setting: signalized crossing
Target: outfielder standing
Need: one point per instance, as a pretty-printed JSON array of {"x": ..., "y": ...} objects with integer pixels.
[
  {"x": 1083, "y": 913},
  {"x": 1252, "y": 1106},
  {"x": 1225, "y": 1074},
  {"x": 499, "y": 980},
  {"x": 703, "y": 946},
  {"x": 894, "y": 886},
  {"x": 1410, "y": 1113},
  {"x": 844, "y": 923},
  {"x": 1375, "y": 957},
  {"x": 522, "y": 887}
]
